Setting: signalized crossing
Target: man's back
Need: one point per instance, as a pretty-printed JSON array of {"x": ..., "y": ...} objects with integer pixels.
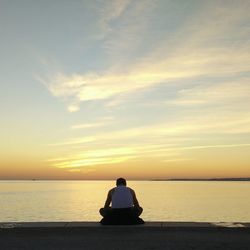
[{"x": 122, "y": 197}]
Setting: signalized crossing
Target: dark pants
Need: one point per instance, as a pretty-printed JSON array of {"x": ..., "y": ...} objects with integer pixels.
[
  {"x": 135, "y": 211},
  {"x": 121, "y": 216}
]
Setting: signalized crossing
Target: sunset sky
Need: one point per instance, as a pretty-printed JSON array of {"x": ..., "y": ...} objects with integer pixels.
[{"x": 145, "y": 89}]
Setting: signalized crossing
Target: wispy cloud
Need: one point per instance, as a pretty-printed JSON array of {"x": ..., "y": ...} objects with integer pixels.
[
  {"x": 73, "y": 108},
  {"x": 111, "y": 10},
  {"x": 111, "y": 156},
  {"x": 203, "y": 62},
  {"x": 168, "y": 141},
  {"x": 207, "y": 123},
  {"x": 166, "y": 153},
  {"x": 100, "y": 123},
  {"x": 200, "y": 51},
  {"x": 234, "y": 92}
]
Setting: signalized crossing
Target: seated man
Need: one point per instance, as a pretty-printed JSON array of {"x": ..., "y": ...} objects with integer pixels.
[{"x": 125, "y": 208}]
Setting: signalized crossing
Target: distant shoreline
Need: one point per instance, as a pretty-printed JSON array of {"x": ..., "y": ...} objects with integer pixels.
[
  {"x": 171, "y": 179},
  {"x": 204, "y": 179}
]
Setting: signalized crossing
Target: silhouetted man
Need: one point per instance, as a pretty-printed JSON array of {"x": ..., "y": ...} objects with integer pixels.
[{"x": 125, "y": 208}]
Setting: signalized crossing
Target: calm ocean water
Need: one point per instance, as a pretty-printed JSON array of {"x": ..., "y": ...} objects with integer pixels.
[{"x": 161, "y": 200}]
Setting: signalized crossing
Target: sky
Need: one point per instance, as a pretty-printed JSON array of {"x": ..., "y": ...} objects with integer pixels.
[{"x": 144, "y": 89}]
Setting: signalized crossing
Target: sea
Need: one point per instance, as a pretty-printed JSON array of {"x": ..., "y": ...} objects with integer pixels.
[{"x": 192, "y": 201}]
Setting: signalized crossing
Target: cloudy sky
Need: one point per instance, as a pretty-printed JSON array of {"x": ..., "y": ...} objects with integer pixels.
[{"x": 94, "y": 89}]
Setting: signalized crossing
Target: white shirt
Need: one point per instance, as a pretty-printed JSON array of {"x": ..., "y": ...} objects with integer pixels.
[{"x": 122, "y": 197}]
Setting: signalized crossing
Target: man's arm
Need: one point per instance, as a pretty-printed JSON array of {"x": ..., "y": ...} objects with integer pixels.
[
  {"x": 135, "y": 201},
  {"x": 109, "y": 198}
]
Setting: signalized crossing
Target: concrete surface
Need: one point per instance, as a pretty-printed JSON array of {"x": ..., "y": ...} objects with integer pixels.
[{"x": 91, "y": 235}]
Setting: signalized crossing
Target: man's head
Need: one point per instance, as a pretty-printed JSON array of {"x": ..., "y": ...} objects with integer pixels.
[{"x": 121, "y": 182}]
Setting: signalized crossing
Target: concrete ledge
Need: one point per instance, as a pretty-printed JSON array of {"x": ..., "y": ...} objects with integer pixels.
[
  {"x": 83, "y": 224},
  {"x": 152, "y": 235}
]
